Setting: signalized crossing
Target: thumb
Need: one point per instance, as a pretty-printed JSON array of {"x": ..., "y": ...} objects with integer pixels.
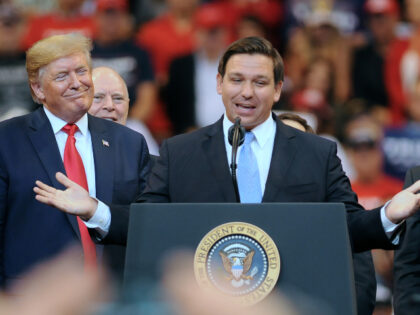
[{"x": 64, "y": 180}]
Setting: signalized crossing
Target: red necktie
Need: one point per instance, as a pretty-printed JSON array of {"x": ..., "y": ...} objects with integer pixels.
[{"x": 76, "y": 172}]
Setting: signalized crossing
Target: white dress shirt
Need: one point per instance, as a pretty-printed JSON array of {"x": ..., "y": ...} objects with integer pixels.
[
  {"x": 263, "y": 149},
  {"x": 208, "y": 103},
  {"x": 101, "y": 220}
]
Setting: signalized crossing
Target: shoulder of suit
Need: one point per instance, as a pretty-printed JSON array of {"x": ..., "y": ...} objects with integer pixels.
[
  {"x": 19, "y": 121},
  {"x": 116, "y": 129},
  {"x": 309, "y": 139}
]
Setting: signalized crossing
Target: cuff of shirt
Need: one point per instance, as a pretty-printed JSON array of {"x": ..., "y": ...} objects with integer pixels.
[
  {"x": 101, "y": 220},
  {"x": 390, "y": 227}
]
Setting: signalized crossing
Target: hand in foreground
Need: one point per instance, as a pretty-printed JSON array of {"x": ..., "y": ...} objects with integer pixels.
[
  {"x": 74, "y": 200},
  {"x": 61, "y": 286},
  {"x": 404, "y": 204}
]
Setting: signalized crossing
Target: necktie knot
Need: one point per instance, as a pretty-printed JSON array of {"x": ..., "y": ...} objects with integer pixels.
[
  {"x": 249, "y": 136},
  {"x": 70, "y": 129}
]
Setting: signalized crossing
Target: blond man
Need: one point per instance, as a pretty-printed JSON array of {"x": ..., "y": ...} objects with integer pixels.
[{"x": 111, "y": 160}]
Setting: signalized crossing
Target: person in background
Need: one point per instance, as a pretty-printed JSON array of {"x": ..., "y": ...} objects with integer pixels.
[
  {"x": 15, "y": 97},
  {"x": 111, "y": 100},
  {"x": 369, "y": 60},
  {"x": 363, "y": 137},
  {"x": 67, "y": 18},
  {"x": 114, "y": 48},
  {"x": 165, "y": 38},
  {"x": 191, "y": 97}
]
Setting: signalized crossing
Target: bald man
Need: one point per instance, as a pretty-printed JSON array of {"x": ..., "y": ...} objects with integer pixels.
[
  {"x": 111, "y": 101},
  {"x": 111, "y": 95}
]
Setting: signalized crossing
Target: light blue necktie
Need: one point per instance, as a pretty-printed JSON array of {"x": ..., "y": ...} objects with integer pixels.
[{"x": 248, "y": 174}]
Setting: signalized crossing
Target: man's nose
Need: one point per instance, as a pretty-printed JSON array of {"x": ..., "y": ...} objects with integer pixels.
[
  {"x": 108, "y": 103},
  {"x": 247, "y": 90},
  {"x": 75, "y": 82}
]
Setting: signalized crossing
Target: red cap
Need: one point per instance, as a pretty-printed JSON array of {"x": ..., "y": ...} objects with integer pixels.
[
  {"x": 118, "y": 5},
  {"x": 382, "y": 7},
  {"x": 211, "y": 16}
]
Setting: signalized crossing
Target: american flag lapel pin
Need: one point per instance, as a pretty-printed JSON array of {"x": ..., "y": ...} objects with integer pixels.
[{"x": 105, "y": 143}]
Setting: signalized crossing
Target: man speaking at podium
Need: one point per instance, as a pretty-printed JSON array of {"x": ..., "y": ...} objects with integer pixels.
[{"x": 276, "y": 163}]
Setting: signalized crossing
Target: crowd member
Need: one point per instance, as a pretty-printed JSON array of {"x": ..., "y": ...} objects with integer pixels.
[
  {"x": 250, "y": 79},
  {"x": 368, "y": 61},
  {"x": 402, "y": 65},
  {"x": 175, "y": 30},
  {"x": 319, "y": 38},
  {"x": 363, "y": 136},
  {"x": 401, "y": 144},
  {"x": 108, "y": 160},
  {"x": 15, "y": 98},
  {"x": 113, "y": 47},
  {"x": 250, "y": 25},
  {"x": 166, "y": 38},
  {"x": 295, "y": 121},
  {"x": 67, "y": 18},
  {"x": 191, "y": 98}
]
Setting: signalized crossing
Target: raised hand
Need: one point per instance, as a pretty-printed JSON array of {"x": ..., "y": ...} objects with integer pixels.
[
  {"x": 74, "y": 199},
  {"x": 404, "y": 204}
]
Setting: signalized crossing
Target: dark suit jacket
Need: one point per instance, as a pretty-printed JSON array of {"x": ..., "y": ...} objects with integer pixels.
[
  {"x": 31, "y": 231},
  {"x": 407, "y": 261},
  {"x": 179, "y": 93},
  {"x": 304, "y": 168}
]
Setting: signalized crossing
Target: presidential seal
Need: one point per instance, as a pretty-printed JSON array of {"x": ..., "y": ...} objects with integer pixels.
[{"x": 238, "y": 259}]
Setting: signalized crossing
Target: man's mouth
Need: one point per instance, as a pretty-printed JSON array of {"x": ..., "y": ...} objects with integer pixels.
[
  {"x": 246, "y": 107},
  {"x": 76, "y": 95}
]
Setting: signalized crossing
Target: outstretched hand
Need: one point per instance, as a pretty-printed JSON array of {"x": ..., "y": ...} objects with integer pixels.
[
  {"x": 404, "y": 204},
  {"x": 74, "y": 199}
]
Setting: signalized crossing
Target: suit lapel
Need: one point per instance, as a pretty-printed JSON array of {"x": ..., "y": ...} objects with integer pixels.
[
  {"x": 45, "y": 145},
  {"x": 103, "y": 153},
  {"x": 215, "y": 151},
  {"x": 284, "y": 151}
]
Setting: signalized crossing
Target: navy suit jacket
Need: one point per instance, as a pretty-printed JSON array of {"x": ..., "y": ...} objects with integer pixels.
[
  {"x": 31, "y": 231},
  {"x": 407, "y": 261},
  {"x": 304, "y": 168}
]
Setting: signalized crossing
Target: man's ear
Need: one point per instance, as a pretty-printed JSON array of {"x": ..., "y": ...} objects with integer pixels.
[
  {"x": 219, "y": 83},
  {"x": 38, "y": 91}
]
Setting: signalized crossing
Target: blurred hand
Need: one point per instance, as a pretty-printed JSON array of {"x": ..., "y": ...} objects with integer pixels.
[
  {"x": 62, "y": 286},
  {"x": 74, "y": 200},
  {"x": 404, "y": 204}
]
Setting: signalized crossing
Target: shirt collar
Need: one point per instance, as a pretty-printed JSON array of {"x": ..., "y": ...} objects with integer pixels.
[
  {"x": 262, "y": 132},
  {"x": 57, "y": 123}
]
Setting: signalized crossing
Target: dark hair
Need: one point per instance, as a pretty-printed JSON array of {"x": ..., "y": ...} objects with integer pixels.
[
  {"x": 298, "y": 119},
  {"x": 254, "y": 45}
]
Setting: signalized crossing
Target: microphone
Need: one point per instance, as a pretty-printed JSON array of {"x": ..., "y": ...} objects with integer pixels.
[{"x": 236, "y": 137}]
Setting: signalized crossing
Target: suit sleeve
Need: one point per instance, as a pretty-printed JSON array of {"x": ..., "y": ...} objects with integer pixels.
[
  {"x": 407, "y": 262},
  {"x": 3, "y": 210},
  {"x": 157, "y": 187},
  {"x": 365, "y": 227}
]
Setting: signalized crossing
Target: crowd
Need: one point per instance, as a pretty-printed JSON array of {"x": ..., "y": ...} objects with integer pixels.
[{"x": 352, "y": 67}]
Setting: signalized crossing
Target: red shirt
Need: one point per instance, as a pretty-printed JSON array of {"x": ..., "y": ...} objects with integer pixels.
[
  {"x": 164, "y": 43},
  {"x": 43, "y": 26},
  {"x": 378, "y": 192}
]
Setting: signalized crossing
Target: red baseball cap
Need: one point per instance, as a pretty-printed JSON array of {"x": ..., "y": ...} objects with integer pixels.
[
  {"x": 212, "y": 15},
  {"x": 118, "y": 5},
  {"x": 382, "y": 7}
]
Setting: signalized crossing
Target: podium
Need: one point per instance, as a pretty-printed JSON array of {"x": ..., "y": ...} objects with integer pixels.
[{"x": 312, "y": 240}]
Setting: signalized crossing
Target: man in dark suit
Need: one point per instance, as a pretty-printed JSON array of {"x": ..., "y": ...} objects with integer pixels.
[
  {"x": 292, "y": 166},
  {"x": 407, "y": 261},
  {"x": 115, "y": 159}
]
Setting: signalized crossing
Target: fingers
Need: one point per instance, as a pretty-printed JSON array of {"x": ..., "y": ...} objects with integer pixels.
[
  {"x": 64, "y": 180},
  {"x": 44, "y": 187},
  {"x": 414, "y": 188}
]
